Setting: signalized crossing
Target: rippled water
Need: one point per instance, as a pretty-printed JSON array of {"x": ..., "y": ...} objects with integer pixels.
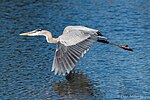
[{"x": 105, "y": 73}]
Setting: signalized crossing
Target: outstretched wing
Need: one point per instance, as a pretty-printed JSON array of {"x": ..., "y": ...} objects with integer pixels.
[
  {"x": 67, "y": 56},
  {"x": 73, "y": 44}
]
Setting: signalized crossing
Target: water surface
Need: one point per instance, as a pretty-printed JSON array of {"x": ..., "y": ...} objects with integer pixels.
[{"x": 105, "y": 73}]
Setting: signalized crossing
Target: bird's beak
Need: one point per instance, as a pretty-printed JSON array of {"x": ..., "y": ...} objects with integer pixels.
[{"x": 25, "y": 34}]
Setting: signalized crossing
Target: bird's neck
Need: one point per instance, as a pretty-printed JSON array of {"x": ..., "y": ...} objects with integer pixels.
[{"x": 50, "y": 39}]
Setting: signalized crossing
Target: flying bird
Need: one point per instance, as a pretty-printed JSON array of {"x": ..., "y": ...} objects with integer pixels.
[{"x": 74, "y": 42}]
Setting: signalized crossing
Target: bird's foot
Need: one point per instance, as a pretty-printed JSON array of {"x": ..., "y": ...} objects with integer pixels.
[{"x": 126, "y": 48}]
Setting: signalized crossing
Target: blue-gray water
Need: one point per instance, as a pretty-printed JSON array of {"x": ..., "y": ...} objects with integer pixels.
[{"x": 104, "y": 73}]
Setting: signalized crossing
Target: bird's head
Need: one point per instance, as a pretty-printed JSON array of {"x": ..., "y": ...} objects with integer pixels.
[{"x": 37, "y": 32}]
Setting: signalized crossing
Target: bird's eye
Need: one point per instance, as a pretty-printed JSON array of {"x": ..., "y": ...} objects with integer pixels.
[
  {"x": 38, "y": 29},
  {"x": 34, "y": 31}
]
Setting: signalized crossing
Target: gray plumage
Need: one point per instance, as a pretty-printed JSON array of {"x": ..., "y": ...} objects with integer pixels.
[
  {"x": 74, "y": 43},
  {"x": 71, "y": 45}
]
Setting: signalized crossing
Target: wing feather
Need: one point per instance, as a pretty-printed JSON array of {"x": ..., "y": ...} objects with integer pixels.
[
  {"x": 70, "y": 62},
  {"x": 73, "y": 37},
  {"x": 73, "y": 44},
  {"x": 67, "y": 56}
]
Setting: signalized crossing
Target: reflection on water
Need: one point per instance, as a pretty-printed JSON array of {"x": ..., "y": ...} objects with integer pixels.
[{"x": 76, "y": 87}]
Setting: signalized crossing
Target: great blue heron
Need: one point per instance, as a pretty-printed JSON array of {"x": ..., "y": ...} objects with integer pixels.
[{"x": 71, "y": 45}]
